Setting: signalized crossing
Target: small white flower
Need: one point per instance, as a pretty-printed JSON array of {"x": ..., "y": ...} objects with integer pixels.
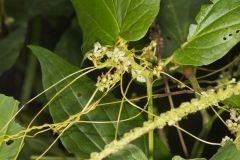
[
  {"x": 97, "y": 49},
  {"x": 141, "y": 79},
  {"x": 225, "y": 139},
  {"x": 171, "y": 123},
  {"x": 109, "y": 54},
  {"x": 97, "y": 46},
  {"x": 115, "y": 51}
]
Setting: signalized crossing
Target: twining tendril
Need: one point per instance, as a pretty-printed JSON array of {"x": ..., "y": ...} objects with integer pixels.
[{"x": 207, "y": 99}]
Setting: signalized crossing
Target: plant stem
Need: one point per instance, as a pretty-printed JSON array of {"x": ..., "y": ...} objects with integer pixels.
[
  {"x": 150, "y": 118},
  {"x": 198, "y": 147},
  {"x": 32, "y": 63},
  {"x": 170, "y": 99}
]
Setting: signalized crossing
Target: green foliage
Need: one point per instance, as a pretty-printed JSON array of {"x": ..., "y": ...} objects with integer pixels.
[
  {"x": 131, "y": 152},
  {"x": 73, "y": 100},
  {"x": 69, "y": 44},
  {"x": 216, "y": 32},
  {"x": 175, "y": 18},
  {"x": 129, "y": 19},
  {"x": 233, "y": 101},
  {"x": 55, "y": 25},
  {"x": 10, "y": 48},
  {"x": 9, "y": 107},
  {"x": 227, "y": 152}
]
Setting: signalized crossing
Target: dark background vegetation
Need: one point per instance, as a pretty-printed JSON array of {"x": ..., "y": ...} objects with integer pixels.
[{"x": 53, "y": 25}]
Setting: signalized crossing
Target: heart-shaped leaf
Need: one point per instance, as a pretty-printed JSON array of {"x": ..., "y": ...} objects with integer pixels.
[
  {"x": 104, "y": 20},
  {"x": 175, "y": 18},
  {"x": 216, "y": 32}
]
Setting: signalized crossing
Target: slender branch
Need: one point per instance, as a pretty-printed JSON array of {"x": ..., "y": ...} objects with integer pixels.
[{"x": 183, "y": 144}]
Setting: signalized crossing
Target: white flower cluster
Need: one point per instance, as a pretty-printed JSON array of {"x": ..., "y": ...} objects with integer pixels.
[
  {"x": 225, "y": 140},
  {"x": 116, "y": 58},
  {"x": 120, "y": 59},
  {"x": 233, "y": 123},
  {"x": 107, "y": 81}
]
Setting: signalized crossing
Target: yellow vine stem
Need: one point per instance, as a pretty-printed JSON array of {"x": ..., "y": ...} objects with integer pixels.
[
  {"x": 206, "y": 99},
  {"x": 175, "y": 79},
  {"x": 50, "y": 146},
  {"x": 199, "y": 139},
  {"x": 216, "y": 113},
  {"x": 221, "y": 69},
  {"x": 76, "y": 118},
  {"x": 70, "y": 124},
  {"x": 48, "y": 103},
  {"x": 56, "y": 127},
  {"x": 38, "y": 95},
  {"x": 121, "y": 105}
]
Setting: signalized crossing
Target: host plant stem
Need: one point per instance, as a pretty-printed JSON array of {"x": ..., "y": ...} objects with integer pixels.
[
  {"x": 32, "y": 62},
  {"x": 198, "y": 146},
  {"x": 150, "y": 118}
]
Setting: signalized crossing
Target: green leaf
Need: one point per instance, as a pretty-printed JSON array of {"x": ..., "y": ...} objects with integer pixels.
[
  {"x": 161, "y": 148},
  {"x": 227, "y": 152},
  {"x": 8, "y": 107},
  {"x": 10, "y": 48},
  {"x": 180, "y": 158},
  {"x": 104, "y": 20},
  {"x": 234, "y": 101},
  {"x": 130, "y": 152},
  {"x": 175, "y": 18},
  {"x": 216, "y": 32},
  {"x": 69, "y": 44},
  {"x": 92, "y": 136}
]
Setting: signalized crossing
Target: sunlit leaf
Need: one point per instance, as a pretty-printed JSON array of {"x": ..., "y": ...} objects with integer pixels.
[
  {"x": 104, "y": 20},
  {"x": 216, "y": 32},
  {"x": 175, "y": 18},
  {"x": 8, "y": 107},
  {"x": 92, "y": 136}
]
